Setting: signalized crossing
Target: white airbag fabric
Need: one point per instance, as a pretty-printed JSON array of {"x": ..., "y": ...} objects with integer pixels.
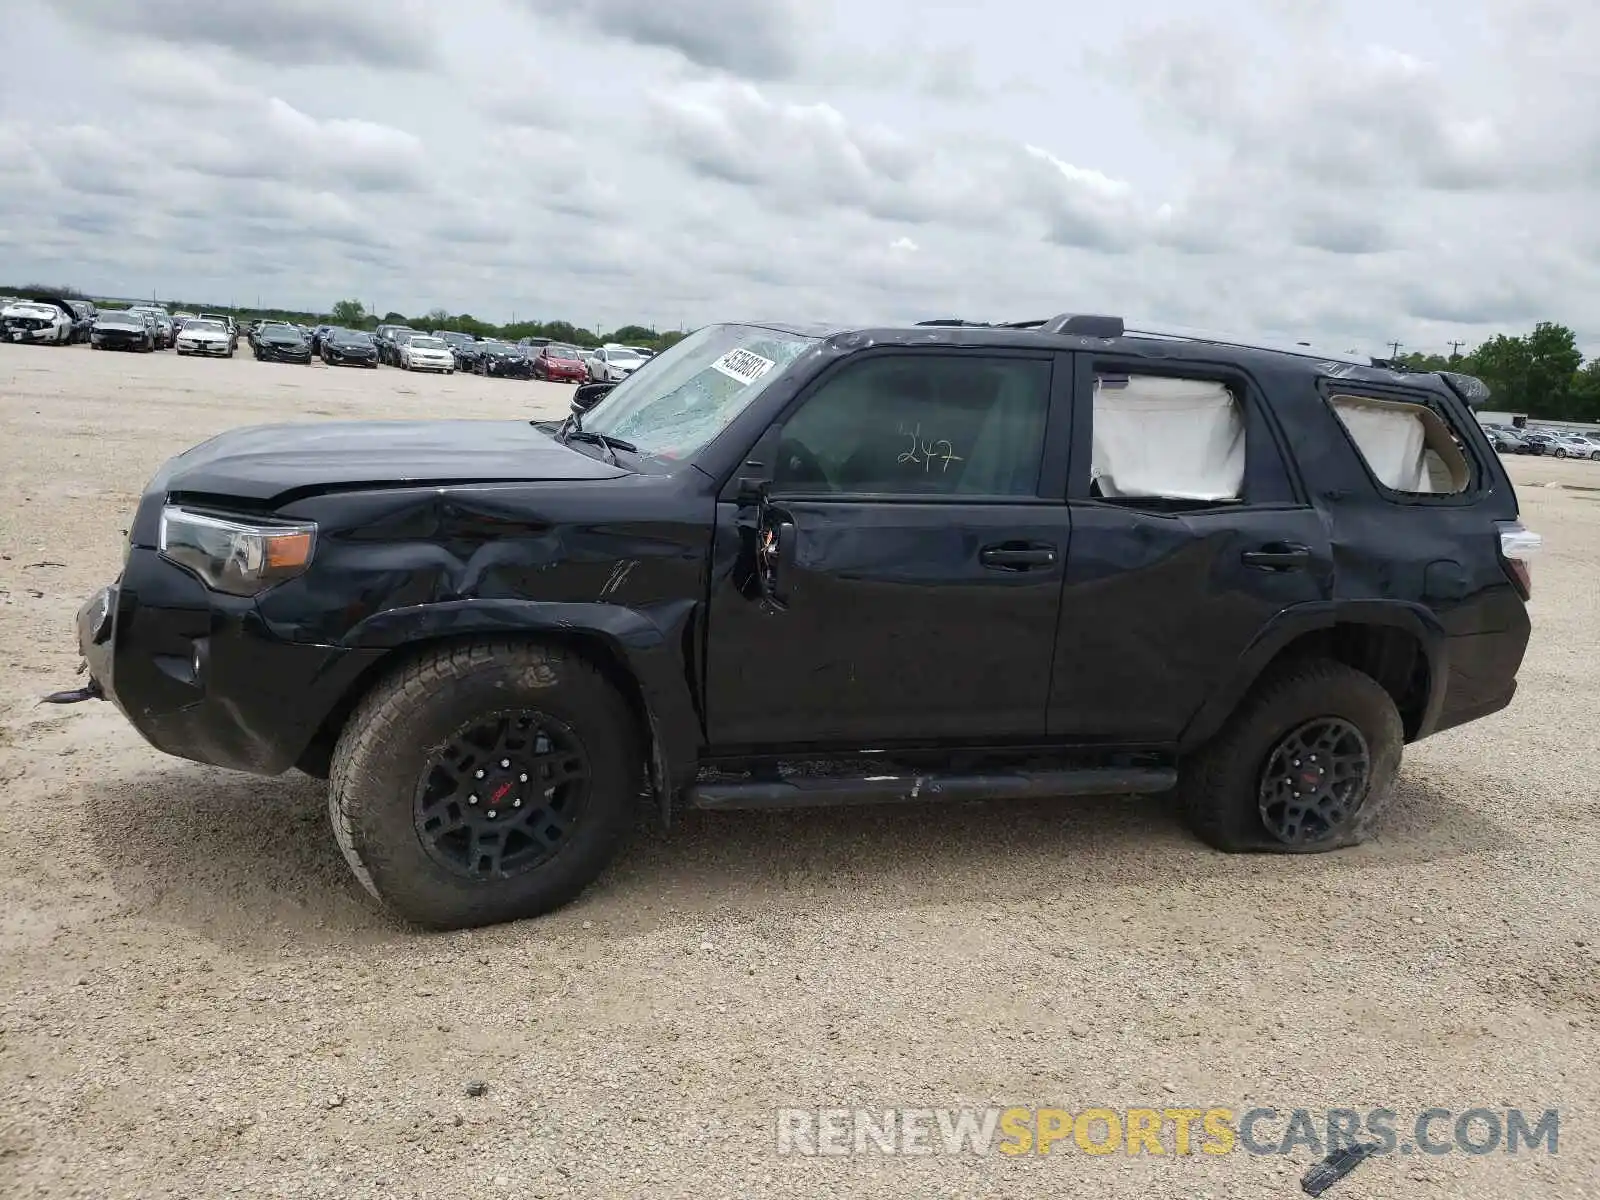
[
  {"x": 1392, "y": 438},
  {"x": 1181, "y": 439}
]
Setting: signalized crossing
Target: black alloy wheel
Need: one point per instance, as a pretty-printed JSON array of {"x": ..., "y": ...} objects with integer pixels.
[
  {"x": 503, "y": 795},
  {"x": 1313, "y": 781}
]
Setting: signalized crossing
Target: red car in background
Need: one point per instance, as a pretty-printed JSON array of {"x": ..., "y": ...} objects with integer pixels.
[{"x": 560, "y": 364}]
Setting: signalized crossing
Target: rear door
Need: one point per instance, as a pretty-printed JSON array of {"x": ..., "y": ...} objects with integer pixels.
[
  {"x": 922, "y": 493},
  {"x": 1190, "y": 534}
]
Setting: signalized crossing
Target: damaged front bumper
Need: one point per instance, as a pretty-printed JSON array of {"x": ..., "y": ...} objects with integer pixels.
[
  {"x": 94, "y": 624},
  {"x": 200, "y": 676}
]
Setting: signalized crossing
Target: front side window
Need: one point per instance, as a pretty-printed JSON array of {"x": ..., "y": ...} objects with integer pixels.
[
  {"x": 920, "y": 424},
  {"x": 693, "y": 391}
]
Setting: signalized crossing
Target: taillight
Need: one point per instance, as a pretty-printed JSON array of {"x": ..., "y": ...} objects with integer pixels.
[{"x": 1517, "y": 543}]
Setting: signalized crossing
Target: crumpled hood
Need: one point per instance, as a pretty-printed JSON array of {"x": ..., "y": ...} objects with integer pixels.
[{"x": 266, "y": 462}]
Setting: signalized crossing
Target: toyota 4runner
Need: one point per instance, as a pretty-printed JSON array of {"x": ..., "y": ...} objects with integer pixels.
[{"x": 783, "y": 566}]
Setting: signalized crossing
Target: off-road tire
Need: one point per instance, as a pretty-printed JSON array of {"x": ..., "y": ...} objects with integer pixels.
[
  {"x": 411, "y": 713},
  {"x": 1219, "y": 787}
]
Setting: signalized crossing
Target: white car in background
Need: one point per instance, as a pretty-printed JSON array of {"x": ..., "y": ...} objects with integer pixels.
[
  {"x": 613, "y": 364},
  {"x": 1573, "y": 445},
  {"x": 37, "y": 321},
  {"x": 422, "y": 352},
  {"x": 201, "y": 335}
]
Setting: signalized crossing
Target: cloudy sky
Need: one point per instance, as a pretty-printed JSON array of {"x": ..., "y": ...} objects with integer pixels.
[{"x": 1341, "y": 171}]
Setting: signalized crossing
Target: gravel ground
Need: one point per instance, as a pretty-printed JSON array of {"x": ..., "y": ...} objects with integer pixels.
[{"x": 196, "y": 999}]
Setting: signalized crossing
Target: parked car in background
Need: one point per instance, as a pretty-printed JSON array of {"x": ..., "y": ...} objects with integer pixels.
[
  {"x": 559, "y": 364},
  {"x": 534, "y": 342},
  {"x": 1574, "y": 445},
  {"x": 349, "y": 348},
  {"x": 1510, "y": 441},
  {"x": 202, "y": 335},
  {"x": 228, "y": 324},
  {"x": 1539, "y": 437},
  {"x": 121, "y": 330},
  {"x": 279, "y": 342},
  {"x": 421, "y": 352},
  {"x": 317, "y": 334},
  {"x": 83, "y": 315},
  {"x": 43, "y": 320},
  {"x": 613, "y": 364},
  {"x": 503, "y": 360},
  {"x": 387, "y": 338},
  {"x": 455, "y": 339},
  {"x": 467, "y": 354}
]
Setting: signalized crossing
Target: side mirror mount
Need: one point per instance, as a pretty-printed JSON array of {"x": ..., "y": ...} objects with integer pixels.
[
  {"x": 588, "y": 395},
  {"x": 775, "y": 559}
]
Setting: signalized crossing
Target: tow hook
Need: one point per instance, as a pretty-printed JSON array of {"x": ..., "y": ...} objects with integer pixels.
[{"x": 89, "y": 691}]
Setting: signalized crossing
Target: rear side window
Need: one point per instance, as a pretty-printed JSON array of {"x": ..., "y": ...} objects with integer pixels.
[
  {"x": 1409, "y": 447},
  {"x": 1166, "y": 438}
]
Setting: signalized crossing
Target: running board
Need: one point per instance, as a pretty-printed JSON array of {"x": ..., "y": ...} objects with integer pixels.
[{"x": 823, "y": 792}]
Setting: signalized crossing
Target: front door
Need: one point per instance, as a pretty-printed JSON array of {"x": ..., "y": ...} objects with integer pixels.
[{"x": 917, "y": 593}]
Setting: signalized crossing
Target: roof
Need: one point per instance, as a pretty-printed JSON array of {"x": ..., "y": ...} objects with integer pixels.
[{"x": 1082, "y": 332}]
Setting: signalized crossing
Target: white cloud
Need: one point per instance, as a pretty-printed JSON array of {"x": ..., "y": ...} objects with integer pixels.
[{"x": 1340, "y": 171}]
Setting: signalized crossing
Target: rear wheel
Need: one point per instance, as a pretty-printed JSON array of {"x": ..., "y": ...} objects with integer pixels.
[
  {"x": 1305, "y": 765},
  {"x": 485, "y": 782}
]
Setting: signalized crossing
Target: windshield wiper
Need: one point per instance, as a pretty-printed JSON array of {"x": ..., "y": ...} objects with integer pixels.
[{"x": 609, "y": 444}]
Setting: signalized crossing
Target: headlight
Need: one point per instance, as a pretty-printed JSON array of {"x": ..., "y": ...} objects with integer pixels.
[{"x": 237, "y": 557}]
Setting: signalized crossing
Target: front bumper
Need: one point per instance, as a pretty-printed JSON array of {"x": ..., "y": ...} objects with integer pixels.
[
  {"x": 19, "y": 333},
  {"x": 216, "y": 349},
  {"x": 271, "y": 353},
  {"x": 118, "y": 341},
  {"x": 198, "y": 674}
]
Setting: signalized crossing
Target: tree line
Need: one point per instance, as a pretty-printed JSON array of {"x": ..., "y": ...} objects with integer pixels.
[{"x": 1541, "y": 373}]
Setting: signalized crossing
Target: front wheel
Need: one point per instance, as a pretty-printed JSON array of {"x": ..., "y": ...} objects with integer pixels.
[
  {"x": 485, "y": 782},
  {"x": 1560, "y": 453},
  {"x": 1305, "y": 764}
]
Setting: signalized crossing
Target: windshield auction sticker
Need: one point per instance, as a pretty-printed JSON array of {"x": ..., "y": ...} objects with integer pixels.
[{"x": 743, "y": 366}]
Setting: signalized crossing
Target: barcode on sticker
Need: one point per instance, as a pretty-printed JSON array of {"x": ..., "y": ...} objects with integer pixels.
[{"x": 743, "y": 365}]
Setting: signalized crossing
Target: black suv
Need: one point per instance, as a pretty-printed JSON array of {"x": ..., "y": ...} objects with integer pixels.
[{"x": 784, "y": 566}]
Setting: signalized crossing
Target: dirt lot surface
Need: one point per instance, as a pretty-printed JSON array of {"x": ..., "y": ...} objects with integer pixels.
[{"x": 197, "y": 1000}]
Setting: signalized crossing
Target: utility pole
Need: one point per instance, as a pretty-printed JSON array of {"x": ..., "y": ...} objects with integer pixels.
[
  {"x": 1455, "y": 349},
  {"x": 1394, "y": 349}
]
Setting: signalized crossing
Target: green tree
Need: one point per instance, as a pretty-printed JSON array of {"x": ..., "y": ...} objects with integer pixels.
[
  {"x": 349, "y": 313},
  {"x": 1532, "y": 374},
  {"x": 1585, "y": 395}
]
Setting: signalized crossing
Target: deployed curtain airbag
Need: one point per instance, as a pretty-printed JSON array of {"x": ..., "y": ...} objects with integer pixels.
[{"x": 1154, "y": 436}]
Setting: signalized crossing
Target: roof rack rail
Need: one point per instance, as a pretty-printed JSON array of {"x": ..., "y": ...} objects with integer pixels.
[
  {"x": 949, "y": 321},
  {"x": 1302, "y": 349},
  {"x": 1085, "y": 325}
]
